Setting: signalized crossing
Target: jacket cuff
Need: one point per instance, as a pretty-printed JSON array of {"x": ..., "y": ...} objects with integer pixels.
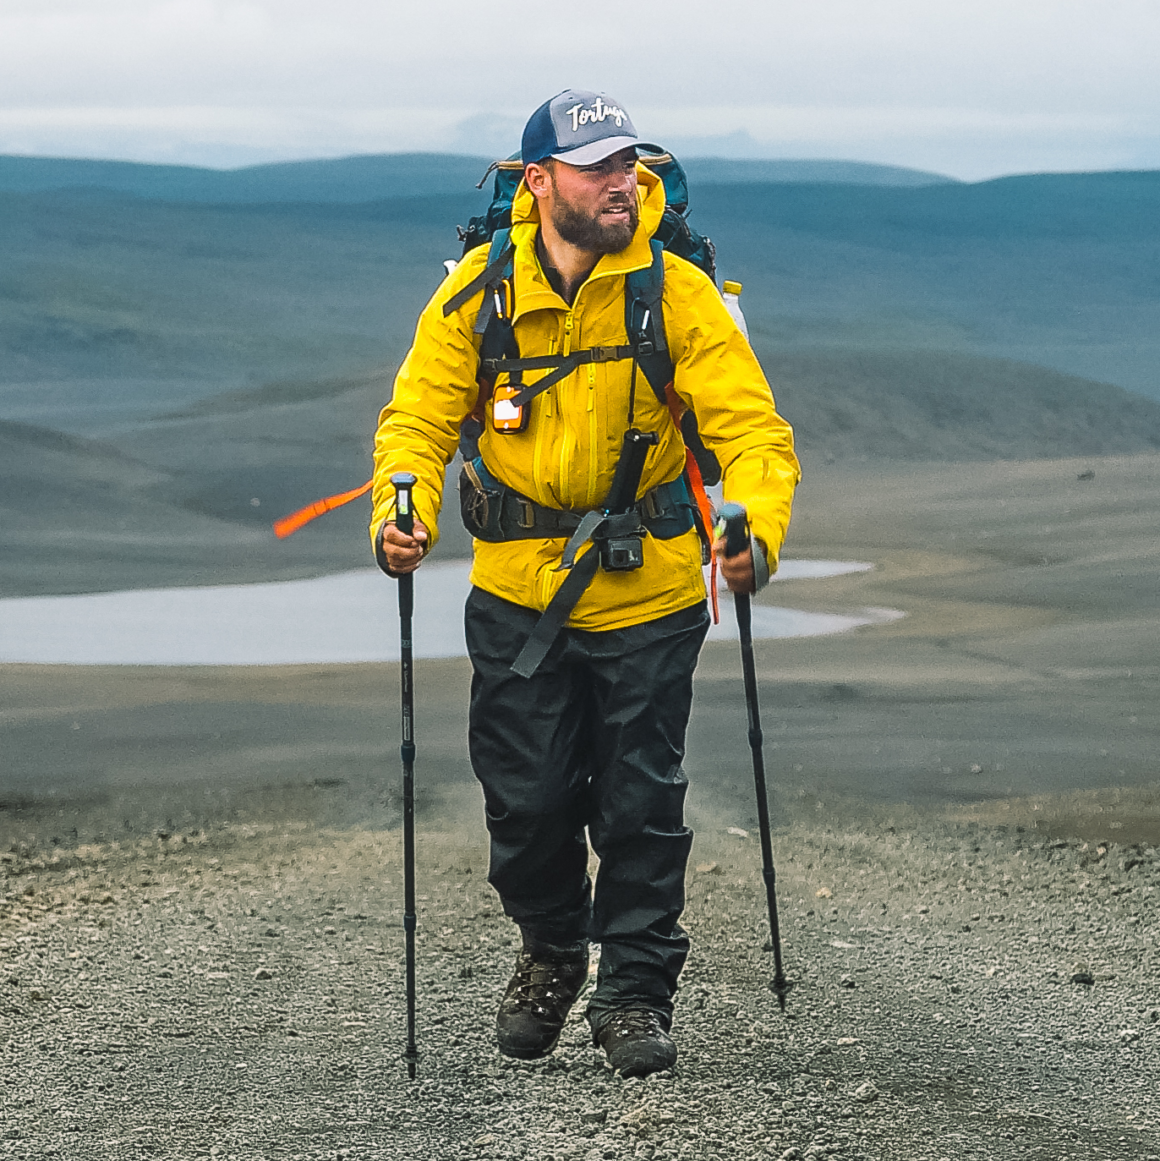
[{"x": 761, "y": 575}]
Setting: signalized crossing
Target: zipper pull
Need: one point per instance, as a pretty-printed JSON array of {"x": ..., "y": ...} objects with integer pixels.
[{"x": 567, "y": 347}]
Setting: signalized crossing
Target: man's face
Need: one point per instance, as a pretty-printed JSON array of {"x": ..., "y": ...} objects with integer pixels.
[{"x": 594, "y": 206}]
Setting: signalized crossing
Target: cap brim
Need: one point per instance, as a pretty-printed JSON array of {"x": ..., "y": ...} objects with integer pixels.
[{"x": 598, "y": 150}]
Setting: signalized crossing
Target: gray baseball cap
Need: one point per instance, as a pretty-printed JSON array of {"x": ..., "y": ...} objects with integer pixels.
[{"x": 579, "y": 127}]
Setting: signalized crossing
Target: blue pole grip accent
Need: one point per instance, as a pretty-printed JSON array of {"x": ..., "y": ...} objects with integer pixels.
[{"x": 733, "y": 524}]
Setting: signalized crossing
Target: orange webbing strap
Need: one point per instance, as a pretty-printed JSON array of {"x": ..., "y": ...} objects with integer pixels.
[
  {"x": 290, "y": 524},
  {"x": 700, "y": 497}
]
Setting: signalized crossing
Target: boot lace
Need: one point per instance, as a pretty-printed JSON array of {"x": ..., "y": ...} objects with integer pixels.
[
  {"x": 535, "y": 984},
  {"x": 634, "y": 1022}
]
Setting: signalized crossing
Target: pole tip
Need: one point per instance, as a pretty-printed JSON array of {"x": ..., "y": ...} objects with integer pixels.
[{"x": 780, "y": 987}]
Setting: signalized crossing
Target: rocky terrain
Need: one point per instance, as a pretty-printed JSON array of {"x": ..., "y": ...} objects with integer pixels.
[
  {"x": 976, "y": 983},
  {"x": 200, "y": 881}
]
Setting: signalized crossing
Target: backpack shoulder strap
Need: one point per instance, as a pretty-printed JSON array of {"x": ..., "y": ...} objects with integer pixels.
[
  {"x": 493, "y": 323},
  {"x": 497, "y": 336},
  {"x": 499, "y": 263},
  {"x": 644, "y": 321}
]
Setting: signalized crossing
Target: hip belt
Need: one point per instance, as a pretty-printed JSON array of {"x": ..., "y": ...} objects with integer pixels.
[{"x": 494, "y": 512}]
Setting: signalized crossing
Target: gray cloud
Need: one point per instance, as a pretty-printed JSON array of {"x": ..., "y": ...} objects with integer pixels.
[{"x": 990, "y": 86}]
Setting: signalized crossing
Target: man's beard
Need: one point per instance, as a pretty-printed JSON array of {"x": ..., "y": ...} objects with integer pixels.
[{"x": 589, "y": 232}]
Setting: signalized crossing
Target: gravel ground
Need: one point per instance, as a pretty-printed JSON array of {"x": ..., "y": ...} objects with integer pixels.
[{"x": 979, "y": 984}]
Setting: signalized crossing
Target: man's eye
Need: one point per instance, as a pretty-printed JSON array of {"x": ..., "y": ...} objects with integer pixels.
[{"x": 608, "y": 168}]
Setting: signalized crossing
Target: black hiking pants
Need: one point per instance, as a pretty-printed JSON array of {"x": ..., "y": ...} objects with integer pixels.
[{"x": 593, "y": 740}]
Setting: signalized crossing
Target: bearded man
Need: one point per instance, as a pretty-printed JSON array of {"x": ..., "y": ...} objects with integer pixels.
[{"x": 578, "y": 717}]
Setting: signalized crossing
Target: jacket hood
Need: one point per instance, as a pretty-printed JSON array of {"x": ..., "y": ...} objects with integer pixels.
[{"x": 650, "y": 200}]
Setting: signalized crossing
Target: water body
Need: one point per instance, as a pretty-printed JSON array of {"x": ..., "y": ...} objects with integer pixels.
[{"x": 344, "y": 618}]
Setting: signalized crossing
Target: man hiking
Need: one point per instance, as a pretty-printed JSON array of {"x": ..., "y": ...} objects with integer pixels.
[{"x": 578, "y": 718}]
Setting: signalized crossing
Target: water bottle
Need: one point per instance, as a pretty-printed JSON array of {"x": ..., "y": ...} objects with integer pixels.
[{"x": 731, "y": 292}]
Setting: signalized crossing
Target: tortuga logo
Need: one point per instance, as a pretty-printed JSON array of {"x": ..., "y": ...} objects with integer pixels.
[{"x": 599, "y": 112}]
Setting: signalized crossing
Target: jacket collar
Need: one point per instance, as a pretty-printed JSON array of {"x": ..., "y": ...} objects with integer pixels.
[{"x": 533, "y": 291}]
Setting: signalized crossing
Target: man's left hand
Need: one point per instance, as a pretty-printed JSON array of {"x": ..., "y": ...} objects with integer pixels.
[{"x": 737, "y": 570}]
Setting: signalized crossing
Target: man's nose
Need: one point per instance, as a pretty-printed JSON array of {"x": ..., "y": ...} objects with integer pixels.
[{"x": 622, "y": 181}]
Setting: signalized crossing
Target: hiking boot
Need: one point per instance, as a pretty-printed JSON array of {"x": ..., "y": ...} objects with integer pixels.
[
  {"x": 539, "y": 996},
  {"x": 636, "y": 1042}
]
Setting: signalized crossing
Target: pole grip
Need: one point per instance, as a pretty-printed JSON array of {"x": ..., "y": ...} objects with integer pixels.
[
  {"x": 404, "y": 483},
  {"x": 733, "y": 524}
]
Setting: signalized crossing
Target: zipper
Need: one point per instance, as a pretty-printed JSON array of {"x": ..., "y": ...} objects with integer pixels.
[
  {"x": 565, "y": 349},
  {"x": 541, "y": 427},
  {"x": 590, "y": 499}
]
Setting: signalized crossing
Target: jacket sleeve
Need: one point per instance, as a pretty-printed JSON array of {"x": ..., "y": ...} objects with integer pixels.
[
  {"x": 719, "y": 377},
  {"x": 435, "y": 390}
]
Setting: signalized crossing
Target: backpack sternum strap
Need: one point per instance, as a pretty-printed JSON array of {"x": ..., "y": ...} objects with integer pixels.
[
  {"x": 562, "y": 366},
  {"x": 546, "y": 362}
]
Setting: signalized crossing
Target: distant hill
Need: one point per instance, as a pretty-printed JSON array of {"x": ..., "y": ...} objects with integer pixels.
[
  {"x": 188, "y": 498},
  {"x": 1058, "y": 269},
  {"x": 937, "y": 405},
  {"x": 174, "y": 375},
  {"x": 375, "y": 177},
  {"x": 345, "y": 180},
  {"x": 80, "y": 516},
  {"x": 171, "y": 301},
  {"x": 735, "y": 171}
]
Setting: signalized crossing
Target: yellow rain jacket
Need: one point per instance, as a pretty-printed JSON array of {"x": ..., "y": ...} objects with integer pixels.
[{"x": 568, "y": 453}]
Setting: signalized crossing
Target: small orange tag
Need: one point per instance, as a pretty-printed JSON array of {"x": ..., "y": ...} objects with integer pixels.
[{"x": 506, "y": 417}]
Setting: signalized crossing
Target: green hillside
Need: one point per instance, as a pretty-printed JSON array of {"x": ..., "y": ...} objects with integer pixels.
[
  {"x": 81, "y": 516},
  {"x": 937, "y": 405},
  {"x": 343, "y": 180},
  {"x": 184, "y": 300},
  {"x": 375, "y": 177},
  {"x": 173, "y": 301},
  {"x": 1053, "y": 269},
  {"x": 188, "y": 498},
  {"x": 215, "y": 366}
]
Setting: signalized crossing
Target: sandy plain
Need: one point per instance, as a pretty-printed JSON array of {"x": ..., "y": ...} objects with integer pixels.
[{"x": 163, "y": 820}]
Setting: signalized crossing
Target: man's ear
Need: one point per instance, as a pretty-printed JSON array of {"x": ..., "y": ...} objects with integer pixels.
[{"x": 538, "y": 179}]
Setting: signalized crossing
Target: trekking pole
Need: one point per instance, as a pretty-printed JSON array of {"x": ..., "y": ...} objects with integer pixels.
[
  {"x": 734, "y": 524},
  {"x": 405, "y": 522}
]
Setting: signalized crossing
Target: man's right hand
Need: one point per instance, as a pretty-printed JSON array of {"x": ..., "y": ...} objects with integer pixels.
[{"x": 404, "y": 553}]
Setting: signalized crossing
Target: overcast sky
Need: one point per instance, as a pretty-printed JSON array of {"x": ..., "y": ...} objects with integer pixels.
[{"x": 972, "y": 88}]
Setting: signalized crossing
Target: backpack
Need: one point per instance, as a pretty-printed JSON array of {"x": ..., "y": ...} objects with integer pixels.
[
  {"x": 644, "y": 321},
  {"x": 644, "y": 324}
]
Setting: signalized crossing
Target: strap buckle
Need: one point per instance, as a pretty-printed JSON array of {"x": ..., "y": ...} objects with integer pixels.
[
  {"x": 527, "y": 516},
  {"x": 604, "y": 354}
]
